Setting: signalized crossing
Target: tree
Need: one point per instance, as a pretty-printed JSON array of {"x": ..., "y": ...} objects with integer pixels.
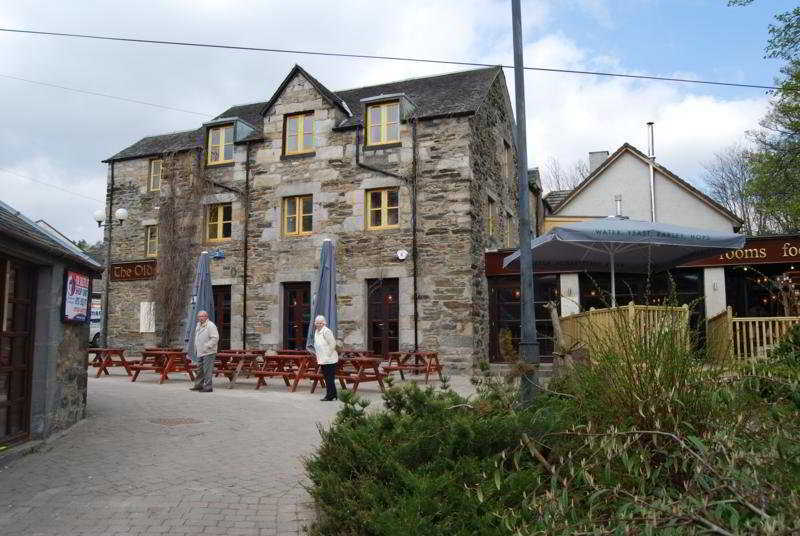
[
  {"x": 784, "y": 41},
  {"x": 555, "y": 177},
  {"x": 728, "y": 177}
]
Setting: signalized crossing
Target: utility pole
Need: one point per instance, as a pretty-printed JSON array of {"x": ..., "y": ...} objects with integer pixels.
[{"x": 529, "y": 344}]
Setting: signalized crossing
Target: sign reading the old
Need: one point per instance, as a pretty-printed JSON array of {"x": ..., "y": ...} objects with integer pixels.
[
  {"x": 132, "y": 271},
  {"x": 757, "y": 251}
]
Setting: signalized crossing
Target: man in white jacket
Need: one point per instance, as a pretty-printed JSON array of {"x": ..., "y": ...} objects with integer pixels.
[{"x": 206, "y": 338}]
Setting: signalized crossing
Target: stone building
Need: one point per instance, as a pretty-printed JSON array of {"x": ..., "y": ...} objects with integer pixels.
[
  {"x": 413, "y": 181},
  {"x": 42, "y": 344}
]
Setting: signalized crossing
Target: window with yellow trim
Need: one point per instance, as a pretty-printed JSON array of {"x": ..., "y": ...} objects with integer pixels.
[
  {"x": 299, "y": 137},
  {"x": 492, "y": 216},
  {"x": 151, "y": 239},
  {"x": 298, "y": 216},
  {"x": 220, "y": 145},
  {"x": 509, "y": 230},
  {"x": 508, "y": 164},
  {"x": 383, "y": 123},
  {"x": 383, "y": 208},
  {"x": 154, "y": 178},
  {"x": 220, "y": 217}
]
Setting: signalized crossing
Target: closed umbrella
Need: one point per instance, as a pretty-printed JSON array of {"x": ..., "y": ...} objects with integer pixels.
[
  {"x": 620, "y": 244},
  {"x": 202, "y": 299},
  {"x": 323, "y": 301}
]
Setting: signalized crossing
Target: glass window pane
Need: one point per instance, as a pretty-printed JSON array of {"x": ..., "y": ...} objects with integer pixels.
[
  {"x": 375, "y": 199},
  {"x": 375, "y": 218},
  {"x": 291, "y": 125},
  {"x": 375, "y": 134},
  {"x": 229, "y": 134},
  {"x": 228, "y": 151},
  {"x": 291, "y": 206},
  {"x": 307, "y": 224},
  {"x": 212, "y": 231},
  {"x": 226, "y": 230},
  {"x": 156, "y": 183},
  {"x": 308, "y": 205},
  {"x": 393, "y": 113},
  {"x": 291, "y": 144},
  {"x": 393, "y": 198},
  {"x": 291, "y": 224},
  {"x": 308, "y": 124},
  {"x": 227, "y": 212},
  {"x": 308, "y": 142},
  {"x": 215, "y": 154},
  {"x": 392, "y": 214},
  {"x": 215, "y": 136},
  {"x": 374, "y": 115},
  {"x": 213, "y": 213},
  {"x": 393, "y": 132}
]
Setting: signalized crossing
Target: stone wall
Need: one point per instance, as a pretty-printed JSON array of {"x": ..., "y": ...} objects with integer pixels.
[{"x": 69, "y": 386}]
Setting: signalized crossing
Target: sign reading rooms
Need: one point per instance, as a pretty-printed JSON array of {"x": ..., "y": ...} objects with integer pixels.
[
  {"x": 758, "y": 251},
  {"x": 132, "y": 271}
]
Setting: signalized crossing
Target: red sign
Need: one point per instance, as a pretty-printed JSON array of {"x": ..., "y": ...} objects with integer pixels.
[
  {"x": 779, "y": 249},
  {"x": 132, "y": 271}
]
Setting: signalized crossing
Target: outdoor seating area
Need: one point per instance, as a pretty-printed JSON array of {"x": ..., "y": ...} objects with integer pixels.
[
  {"x": 745, "y": 337},
  {"x": 355, "y": 367}
]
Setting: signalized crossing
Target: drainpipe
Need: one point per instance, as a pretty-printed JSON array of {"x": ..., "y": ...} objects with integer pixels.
[
  {"x": 109, "y": 225},
  {"x": 246, "y": 227},
  {"x": 651, "y": 154}
]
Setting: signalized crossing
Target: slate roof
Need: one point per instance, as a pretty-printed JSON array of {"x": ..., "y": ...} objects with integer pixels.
[
  {"x": 18, "y": 227},
  {"x": 555, "y": 198},
  {"x": 434, "y": 96}
]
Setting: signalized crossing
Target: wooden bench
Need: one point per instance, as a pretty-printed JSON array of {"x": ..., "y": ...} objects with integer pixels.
[
  {"x": 104, "y": 358},
  {"x": 415, "y": 362},
  {"x": 233, "y": 363},
  {"x": 163, "y": 362}
]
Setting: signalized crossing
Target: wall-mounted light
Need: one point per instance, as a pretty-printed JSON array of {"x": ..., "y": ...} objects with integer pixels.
[
  {"x": 218, "y": 254},
  {"x": 401, "y": 254},
  {"x": 120, "y": 214}
]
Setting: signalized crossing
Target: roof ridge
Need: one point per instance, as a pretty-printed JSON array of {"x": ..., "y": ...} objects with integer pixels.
[
  {"x": 417, "y": 78},
  {"x": 169, "y": 133}
]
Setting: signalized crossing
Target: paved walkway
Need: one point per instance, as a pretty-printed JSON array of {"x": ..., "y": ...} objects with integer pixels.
[{"x": 159, "y": 459}]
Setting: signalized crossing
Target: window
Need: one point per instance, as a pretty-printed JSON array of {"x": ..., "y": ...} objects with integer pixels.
[
  {"x": 154, "y": 180},
  {"x": 509, "y": 230},
  {"x": 508, "y": 156},
  {"x": 383, "y": 123},
  {"x": 219, "y": 222},
  {"x": 383, "y": 208},
  {"x": 298, "y": 215},
  {"x": 151, "y": 238},
  {"x": 299, "y": 133},
  {"x": 220, "y": 145},
  {"x": 492, "y": 216}
]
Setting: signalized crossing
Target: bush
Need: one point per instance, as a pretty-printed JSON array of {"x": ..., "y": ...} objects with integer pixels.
[{"x": 645, "y": 439}]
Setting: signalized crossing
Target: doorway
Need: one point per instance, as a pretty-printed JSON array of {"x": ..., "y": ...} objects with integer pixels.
[
  {"x": 383, "y": 312},
  {"x": 222, "y": 314},
  {"x": 17, "y": 299},
  {"x": 296, "y": 315}
]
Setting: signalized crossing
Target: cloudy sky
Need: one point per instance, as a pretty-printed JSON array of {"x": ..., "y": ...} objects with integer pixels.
[{"x": 58, "y": 137}]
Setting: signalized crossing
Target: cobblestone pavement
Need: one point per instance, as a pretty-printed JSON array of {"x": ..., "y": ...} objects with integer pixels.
[{"x": 159, "y": 459}]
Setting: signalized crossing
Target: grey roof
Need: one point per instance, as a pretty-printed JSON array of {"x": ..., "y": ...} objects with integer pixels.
[
  {"x": 434, "y": 96},
  {"x": 556, "y": 197},
  {"x": 17, "y": 226}
]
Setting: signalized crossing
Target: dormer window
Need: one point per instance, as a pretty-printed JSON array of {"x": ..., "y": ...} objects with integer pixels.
[
  {"x": 383, "y": 123},
  {"x": 299, "y": 137},
  {"x": 220, "y": 145}
]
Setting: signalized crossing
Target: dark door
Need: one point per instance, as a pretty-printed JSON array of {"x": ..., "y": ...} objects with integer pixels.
[
  {"x": 17, "y": 284},
  {"x": 383, "y": 312},
  {"x": 505, "y": 314},
  {"x": 222, "y": 315},
  {"x": 296, "y": 315}
]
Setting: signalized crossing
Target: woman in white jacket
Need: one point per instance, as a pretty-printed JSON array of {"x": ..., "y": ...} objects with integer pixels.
[{"x": 327, "y": 357}]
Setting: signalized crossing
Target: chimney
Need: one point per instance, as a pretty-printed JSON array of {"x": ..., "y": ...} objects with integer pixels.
[{"x": 596, "y": 158}]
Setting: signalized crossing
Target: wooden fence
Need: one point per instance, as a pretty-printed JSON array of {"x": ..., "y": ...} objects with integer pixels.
[
  {"x": 745, "y": 337},
  {"x": 603, "y": 325}
]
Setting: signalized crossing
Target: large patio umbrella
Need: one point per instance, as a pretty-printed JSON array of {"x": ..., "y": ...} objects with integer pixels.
[
  {"x": 620, "y": 244},
  {"x": 202, "y": 299},
  {"x": 323, "y": 302}
]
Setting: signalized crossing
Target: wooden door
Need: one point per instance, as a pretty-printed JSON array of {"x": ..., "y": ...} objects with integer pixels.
[
  {"x": 296, "y": 315},
  {"x": 17, "y": 297},
  {"x": 222, "y": 314},
  {"x": 383, "y": 311}
]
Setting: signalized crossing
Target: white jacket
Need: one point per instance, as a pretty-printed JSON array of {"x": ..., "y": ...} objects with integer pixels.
[
  {"x": 206, "y": 339},
  {"x": 325, "y": 346}
]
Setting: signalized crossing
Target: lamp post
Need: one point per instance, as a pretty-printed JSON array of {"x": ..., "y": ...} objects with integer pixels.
[{"x": 120, "y": 215}]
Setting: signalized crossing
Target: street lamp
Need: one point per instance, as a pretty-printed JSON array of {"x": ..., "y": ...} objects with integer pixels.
[{"x": 120, "y": 214}]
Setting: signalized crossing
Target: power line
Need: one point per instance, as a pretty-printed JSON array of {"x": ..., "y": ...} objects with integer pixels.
[
  {"x": 70, "y": 192},
  {"x": 106, "y": 95},
  {"x": 389, "y": 58}
]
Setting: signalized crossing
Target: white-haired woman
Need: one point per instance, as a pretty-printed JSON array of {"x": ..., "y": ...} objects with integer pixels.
[{"x": 327, "y": 357}]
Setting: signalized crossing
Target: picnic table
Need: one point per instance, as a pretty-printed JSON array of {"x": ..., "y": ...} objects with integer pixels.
[
  {"x": 357, "y": 368},
  {"x": 232, "y": 363},
  {"x": 416, "y": 362},
  {"x": 163, "y": 361},
  {"x": 287, "y": 366},
  {"x": 104, "y": 358}
]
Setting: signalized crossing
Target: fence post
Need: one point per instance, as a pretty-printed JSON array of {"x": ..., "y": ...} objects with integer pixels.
[
  {"x": 631, "y": 314},
  {"x": 729, "y": 330}
]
